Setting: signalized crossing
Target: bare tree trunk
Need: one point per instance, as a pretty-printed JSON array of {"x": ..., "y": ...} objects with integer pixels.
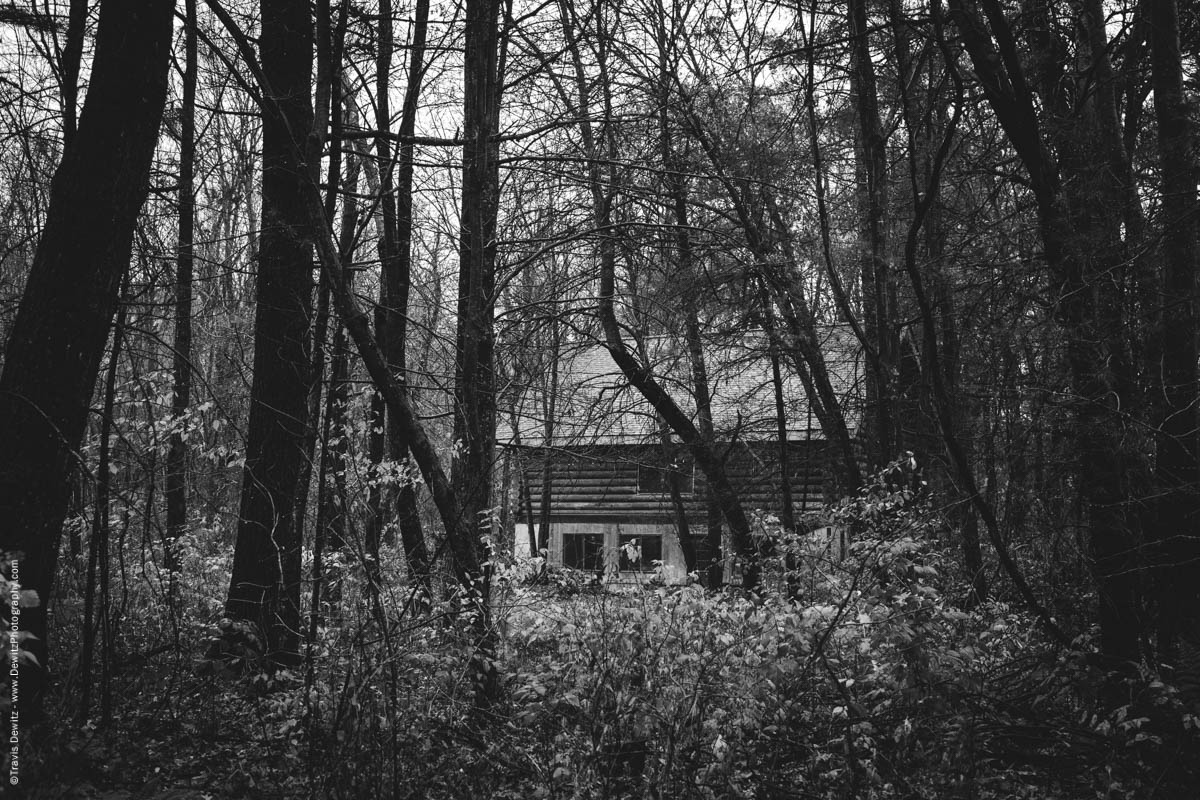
[
  {"x": 804, "y": 345},
  {"x": 704, "y": 420},
  {"x": 335, "y": 499},
  {"x": 72, "y": 58},
  {"x": 878, "y": 282},
  {"x": 787, "y": 516},
  {"x": 264, "y": 588},
  {"x": 96, "y": 620},
  {"x": 708, "y": 561},
  {"x": 711, "y": 563},
  {"x": 57, "y": 340},
  {"x": 375, "y": 532},
  {"x": 526, "y": 494},
  {"x": 328, "y": 105},
  {"x": 396, "y": 256},
  {"x": 550, "y": 407},
  {"x": 1178, "y": 440},
  {"x": 181, "y": 363},
  {"x": 475, "y": 377},
  {"x": 683, "y": 532}
]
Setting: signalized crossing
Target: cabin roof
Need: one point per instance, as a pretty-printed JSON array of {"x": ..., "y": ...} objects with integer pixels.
[{"x": 596, "y": 405}]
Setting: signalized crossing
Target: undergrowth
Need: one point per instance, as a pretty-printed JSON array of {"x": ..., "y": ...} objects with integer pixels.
[{"x": 857, "y": 677}]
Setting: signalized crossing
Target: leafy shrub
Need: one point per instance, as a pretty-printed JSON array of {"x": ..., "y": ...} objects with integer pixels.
[{"x": 844, "y": 677}]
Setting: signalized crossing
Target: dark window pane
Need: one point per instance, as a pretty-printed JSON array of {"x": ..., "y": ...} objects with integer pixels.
[
  {"x": 583, "y": 551},
  {"x": 653, "y": 480},
  {"x": 650, "y": 480},
  {"x": 645, "y": 551}
]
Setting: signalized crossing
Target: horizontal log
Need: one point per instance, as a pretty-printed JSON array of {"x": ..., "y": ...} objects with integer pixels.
[{"x": 657, "y": 516}]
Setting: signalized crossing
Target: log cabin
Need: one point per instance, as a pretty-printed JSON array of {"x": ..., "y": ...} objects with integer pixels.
[{"x": 595, "y": 467}]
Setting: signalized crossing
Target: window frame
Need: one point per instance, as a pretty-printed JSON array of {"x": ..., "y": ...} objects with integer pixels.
[
  {"x": 598, "y": 553},
  {"x": 646, "y": 561}
]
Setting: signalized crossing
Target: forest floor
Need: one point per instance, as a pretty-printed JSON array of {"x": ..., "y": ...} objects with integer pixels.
[{"x": 874, "y": 685}]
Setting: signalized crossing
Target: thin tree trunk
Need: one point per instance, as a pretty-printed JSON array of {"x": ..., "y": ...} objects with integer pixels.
[
  {"x": 527, "y": 503},
  {"x": 714, "y": 531},
  {"x": 339, "y": 385},
  {"x": 72, "y": 58},
  {"x": 683, "y": 532},
  {"x": 407, "y": 506},
  {"x": 805, "y": 347},
  {"x": 97, "y": 619},
  {"x": 328, "y": 104},
  {"x": 395, "y": 251},
  {"x": 524, "y": 495},
  {"x": 319, "y": 541},
  {"x": 878, "y": 283},
  {"x": 181, "y": 366},
  {"x": 375, "y": 532},
  {"x": 550, "y": 409},
  {"x": 787, "y": 516},
  {"x": 335, "y": 499},
  {"x": 711, "y": 564}
]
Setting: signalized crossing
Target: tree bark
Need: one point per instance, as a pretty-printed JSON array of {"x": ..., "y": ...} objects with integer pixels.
[
  {"x": 700, "y": 388},
  {"x": 878, "y": 281},
  {"x": 474, "y": 380},
  {"x": 328, "y": 116},
  {"x": 683, "y": 531},
  {"x": 96, "y": 621},
  {"x": 787, "y": 514},
  {"x": 72, "y": 58},
  {"x": 57, "y": 340},
  {"x": 550, "y": 408},
  {"x": 181, "y": 364},
  {"x": 395, "y": 251},
  {"x": 333, "y": 498},
  {"x": 264, "y": 588},
  {"x": 677, "y": 196},
  {"x": 475, "y": 341},
  {"x": 1177, "y": 545}
]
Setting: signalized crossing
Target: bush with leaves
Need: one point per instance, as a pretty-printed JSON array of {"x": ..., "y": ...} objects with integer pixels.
[{"x": 844, "y": 677}]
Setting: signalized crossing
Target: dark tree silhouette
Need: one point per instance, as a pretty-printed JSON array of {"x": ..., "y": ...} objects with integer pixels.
[
  {"x": 57, "y": 341},
  {"x": 1179, "y": 441},
  {"x": 181, "y": 365},
  {"x": 265, "y": 586}
]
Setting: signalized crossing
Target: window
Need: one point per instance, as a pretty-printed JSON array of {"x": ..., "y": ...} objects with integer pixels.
[
  {"x": 638, "y": 553},
  {"x": 653, "y": 480},
  {"x": 583, "y": 551}
]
